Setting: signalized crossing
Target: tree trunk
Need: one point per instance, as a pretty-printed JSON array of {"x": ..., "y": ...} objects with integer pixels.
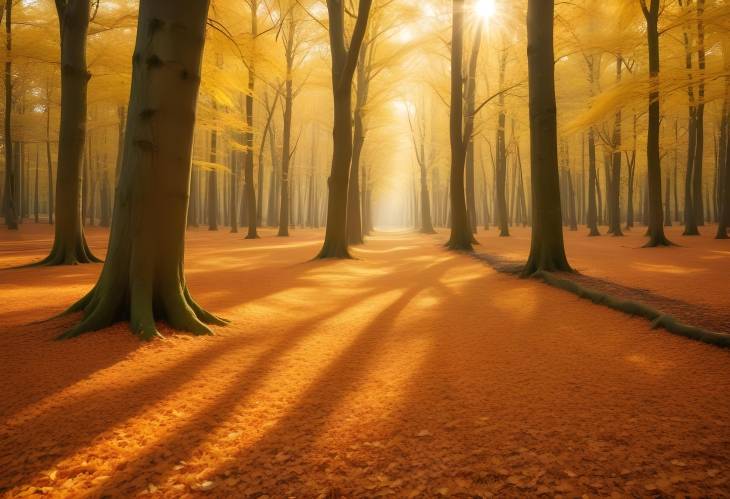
[
  {"x": 36, "y": 215},
  {"x": 697, "y": 202},
  {"x": 344, "y": 62},
  {"x": 656, "y": 227},
  {"x": 471, "y": 91},
  {"x": 547, "y": 252},
  {"x": 213, "y": 184},
  {"x": 250, "y": 189},
  {"x": 142, "y": 280},
  {"x": 286, "y": 157},
  {"x": 10, "y": 196},
  {"x": 461, "y": 235},
  {"x": 592, "y": 221},
  {"x": 354, "y": 215},
  {"x": 69, "y": 246},
  {"x": 49, "y": 164}
]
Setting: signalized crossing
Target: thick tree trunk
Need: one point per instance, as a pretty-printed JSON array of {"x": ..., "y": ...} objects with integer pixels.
[
  {"x": 10, "y": 195},
  {"x": 142, "y": 280},
  {"x": 656, "y": 226},
  {"x": 547, "y": 252},
  {"x": 69, "y": 245}
]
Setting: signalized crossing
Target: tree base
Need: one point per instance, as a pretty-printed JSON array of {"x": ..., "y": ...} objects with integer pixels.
[
  {"x": 337, "y": 250},
  {"x": 178, "y": 309},
  {"x": 252, "y": 236},
  {"x": 61, "y": 254},
  {"x": 658, "y": 241}
]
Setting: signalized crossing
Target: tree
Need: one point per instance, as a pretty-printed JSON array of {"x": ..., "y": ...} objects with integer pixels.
[
  {"x": 344, "y": 61},
  {"x": 9, "y": 194},
  {"x": 546, "y": 248},
  {"x": 461, "y": 235},
  {"x": 142, "y": 279},
  {"x": 656, "y": 222},
  {"x": 69, "y": 245},
  {"x": 418, "y": 137},
  {"x": 249, "y": 190}
]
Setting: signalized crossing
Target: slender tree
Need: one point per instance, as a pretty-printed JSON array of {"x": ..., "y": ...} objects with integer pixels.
[
  {"x": 461, "y": 237},
  {"x": 655, "y": 212},
  {"x": 9, "y": 193},
  {"x": 546, "y": 249},
  {"x": 344, "y": 61},
  {"x": 142, "y": 280}
]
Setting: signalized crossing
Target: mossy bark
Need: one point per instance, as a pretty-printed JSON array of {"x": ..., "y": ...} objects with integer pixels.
[{"x": 142, "y": 280}]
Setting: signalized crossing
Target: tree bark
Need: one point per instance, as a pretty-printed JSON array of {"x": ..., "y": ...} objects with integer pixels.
[
  {"x": 547, "y": 252},
  {"x": 656, "y": 226},
  {"x": 142, "y": 280},
  {"x": 344, "y": 61},
  {"x": 461, "y": 237},
  {"x": 10, "y": 207},
  {"x": 69, "y": 246}
]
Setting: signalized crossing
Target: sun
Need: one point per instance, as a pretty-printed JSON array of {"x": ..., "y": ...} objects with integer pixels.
[{"x": 486, "y": 9}]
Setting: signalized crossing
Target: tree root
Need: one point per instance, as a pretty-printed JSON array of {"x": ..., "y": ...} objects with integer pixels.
[
  {"x": 657, "y": 317},
  {"x": 178, "y": 309}
]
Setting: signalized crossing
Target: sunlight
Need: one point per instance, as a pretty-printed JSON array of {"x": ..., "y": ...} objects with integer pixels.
[{"x": 486, "y": 9}]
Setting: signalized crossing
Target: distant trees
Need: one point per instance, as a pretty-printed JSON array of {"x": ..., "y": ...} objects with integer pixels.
[
  {"x": 546, "y": 248},
  {"x": 142, "y": 279}
]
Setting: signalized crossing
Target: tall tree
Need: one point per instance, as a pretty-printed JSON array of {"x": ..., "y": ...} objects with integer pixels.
[
  {"x": 655, "y": 211},
  {"x": 142, "y": 279},
  {"x": 344, "y": 62},
  {"x": 69, "y": 245},
  {"x": 461, "y": 237},
  {"x": 547, "y": 251},
  {"x": 249, "y": 188},
  {"x": 9, "y": 194}
]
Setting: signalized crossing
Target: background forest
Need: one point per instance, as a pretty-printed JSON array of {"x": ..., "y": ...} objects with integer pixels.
[{"x": 263, "y": 132}]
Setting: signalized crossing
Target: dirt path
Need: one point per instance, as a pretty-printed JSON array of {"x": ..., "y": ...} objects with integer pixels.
[{"x": 411, "y": 371}]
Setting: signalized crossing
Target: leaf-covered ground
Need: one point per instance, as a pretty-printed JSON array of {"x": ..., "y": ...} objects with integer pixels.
[{"x": 409, "y": 372}]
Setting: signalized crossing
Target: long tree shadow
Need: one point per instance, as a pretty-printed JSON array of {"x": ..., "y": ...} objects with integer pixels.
[
  {"x": 36, "y": 434},
  {"x": 323, "y": 395}
]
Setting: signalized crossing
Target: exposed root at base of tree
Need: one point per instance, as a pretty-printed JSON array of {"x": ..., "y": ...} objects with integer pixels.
[
  {"x": 657, "y": 317},
  {"x": 63, "y": 256},
  {"x": 102, "y": 308},
  {"x": 336, "y": 250}
]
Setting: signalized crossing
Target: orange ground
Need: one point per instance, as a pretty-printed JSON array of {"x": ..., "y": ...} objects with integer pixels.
[{"x": 411, "y": 371}]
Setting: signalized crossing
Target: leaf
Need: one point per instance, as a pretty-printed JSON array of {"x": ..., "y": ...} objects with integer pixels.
[
  {"x": 423, "y": 433},
  {"x": 204, "y": 486}
]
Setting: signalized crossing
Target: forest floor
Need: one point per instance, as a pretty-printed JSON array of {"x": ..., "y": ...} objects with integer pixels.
[{"x": 411, "y": 371}]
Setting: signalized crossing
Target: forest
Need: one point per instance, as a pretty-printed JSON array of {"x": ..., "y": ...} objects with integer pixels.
[{"x": 365, "y": 248}]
